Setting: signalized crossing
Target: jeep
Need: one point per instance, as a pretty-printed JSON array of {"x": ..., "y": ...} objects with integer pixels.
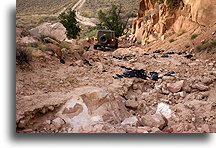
[{"x": 105, "y": 38}]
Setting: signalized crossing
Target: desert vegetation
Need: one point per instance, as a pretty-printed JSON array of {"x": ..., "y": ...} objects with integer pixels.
[
  {"x": 25, "y": 7},
  {"x": 69, "y": 21},
  {"x": 113, "y": 20},
  {"x": 31, "y": 13},
  {"x": 92, "y": 7}
]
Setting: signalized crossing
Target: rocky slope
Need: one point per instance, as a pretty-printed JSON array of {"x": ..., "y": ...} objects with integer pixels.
[
  {"x": 123, "y": 91},
  {"x": 162, "y": 87},
  {"x": 158, "y": 20}
]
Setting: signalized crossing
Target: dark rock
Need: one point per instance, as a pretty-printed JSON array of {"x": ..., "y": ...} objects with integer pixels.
[
  {"x": 154, "y": 76},
  {"x": 170, "y": 52},
  {"x": 86, "y": 62},
  {"x": 170, "y": 73},
  {"x": 164, "y": 56},
  {"x": 182, "y": 52},
  {"x": 123, "y": 57},
  {"x": 132, "y": 73},
  {"x": 154, "y": 56},
  {"x": 188, "y": 56},
  {"x": 158, "y": 51}
]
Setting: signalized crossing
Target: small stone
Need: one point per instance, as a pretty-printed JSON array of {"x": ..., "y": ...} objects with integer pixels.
[
  {"x": 203, "y": 41},
  {"x": 165, "y": 78},
  {"x": 187, "y": 89},
  {"x": 165, "y": 91},
  {"x": 132, "y": 104},
  {"x": 207, "y": 80},
  {"x": 61, "y": 81},
  {"x": 27, "y": 130},
  {"x": 22, "y": 124},
  {"x": 43, "y": 111},
  {"x": 58, "y": 122},
  {"x": 202, "y": 87},
  {"x": 182, "y": 94},
  {"x": 213, "y": 72},
  {"x": 193, "y": 119},
  {"x": 205, "y": 128},
  {"x": 156, "y": 130},
  {"x": 155, "y": 120},
  {"x": 51, "y": 108},
  {"x": 131, "y": 129},
  {"x": 79, "y": 63},
  {"x": 165, "y": 110},
  {"x": 175, "y": 87},
  {"x": 130, "y": 121},
  {"x": 48, "y": 121},
  {"x": 211, "y": 64},
  {"x": 145, "y": 129}
]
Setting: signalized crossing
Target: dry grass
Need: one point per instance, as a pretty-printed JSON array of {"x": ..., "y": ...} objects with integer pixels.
[
  {"x": 31, "y": 13},
  {"x": 29, "y": 22},
  {"x": 207, "y": 46},
  {"x": 26, "y": 7}
]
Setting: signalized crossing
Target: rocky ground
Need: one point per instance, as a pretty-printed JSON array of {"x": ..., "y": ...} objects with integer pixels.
[{"x": 129, "y": 90}]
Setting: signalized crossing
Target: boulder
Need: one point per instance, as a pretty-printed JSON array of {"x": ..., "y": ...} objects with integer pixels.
[
  {"x": 56, "y": 30},
  {"x": 89, "y": 106},
  {"x": 28, "y": 39},
  {"x": 155, "y": 120},
  {"x": 207, "y": 80},
  {"x": 132, "y": 104},
  {"x": 175, "y": 87}
]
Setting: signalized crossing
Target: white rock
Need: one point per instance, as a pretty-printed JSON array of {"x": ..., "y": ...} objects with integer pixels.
[
  {"x": 164, "y": 109},
  {"x": 182, "y": 94},
  {"x": 57, "y": 122},
  {"x": 130, "y": 121}
]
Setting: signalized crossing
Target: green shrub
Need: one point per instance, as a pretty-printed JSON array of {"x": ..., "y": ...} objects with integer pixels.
[
  {"x": 65, "y": 53},
  {"x": 35, "y": 44},
  {"x": 22, "y": 55},
  {"x": 44, "y": 48},
  {"x": 193, "y": 36},
  {"x": 91, "y": 33},
  {"x": 206, "y": 47},
  {"x": 112, "y": 20},
  {"x": 68, "y": 19}
]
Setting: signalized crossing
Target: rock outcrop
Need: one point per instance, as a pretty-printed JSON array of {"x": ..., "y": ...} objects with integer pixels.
[
  {"x": 56, "y": 30},
  {"x": 155, "y": 19}
]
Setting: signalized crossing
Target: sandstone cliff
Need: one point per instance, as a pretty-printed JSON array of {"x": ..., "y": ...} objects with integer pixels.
[{"x": 156, "y": 17}]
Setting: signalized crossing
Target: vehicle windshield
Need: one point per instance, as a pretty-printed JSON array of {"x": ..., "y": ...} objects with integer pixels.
[{"x": 109, "y": 34}]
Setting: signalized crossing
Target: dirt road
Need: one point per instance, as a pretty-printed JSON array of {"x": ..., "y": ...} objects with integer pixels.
[
  {"x": 83, "y": 20},
  {"x": 45, "y": 91}
]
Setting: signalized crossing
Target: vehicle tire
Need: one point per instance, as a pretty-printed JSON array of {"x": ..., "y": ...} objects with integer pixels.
[
  {"x": 116, "y": 44},
  {"x": 103, "y": 39}
]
